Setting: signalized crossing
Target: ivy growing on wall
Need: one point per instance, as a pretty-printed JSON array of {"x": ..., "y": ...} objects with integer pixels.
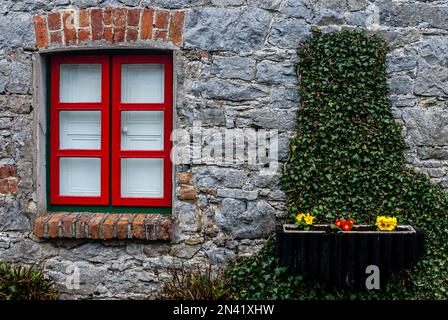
[{"x": 348, "y": 156}]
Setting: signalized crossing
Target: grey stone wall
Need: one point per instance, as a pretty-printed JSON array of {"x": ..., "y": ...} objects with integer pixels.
[{"x": 236, "y": 69}]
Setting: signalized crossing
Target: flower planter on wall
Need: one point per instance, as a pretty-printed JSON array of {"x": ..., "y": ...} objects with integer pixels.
[{"x": 342, "y": 257}]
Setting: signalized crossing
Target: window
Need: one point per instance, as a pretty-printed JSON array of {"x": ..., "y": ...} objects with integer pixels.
[{"x": 110, "y": 125}]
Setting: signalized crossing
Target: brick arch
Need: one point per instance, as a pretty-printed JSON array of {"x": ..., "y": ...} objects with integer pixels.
[{"x": 112, "y": 25}]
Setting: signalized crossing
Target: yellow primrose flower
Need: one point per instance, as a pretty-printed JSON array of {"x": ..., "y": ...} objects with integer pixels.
[
  {"x": 385, "y": 223},
  {"x": 308, "y": 219},
  {"x": 299, "y": 217}
]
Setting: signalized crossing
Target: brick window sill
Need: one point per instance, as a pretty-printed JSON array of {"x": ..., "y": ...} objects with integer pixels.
[{"x": 103, "y": 226}]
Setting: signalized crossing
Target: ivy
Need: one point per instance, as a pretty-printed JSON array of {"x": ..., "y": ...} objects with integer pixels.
[{"x": 348, "y": 156}]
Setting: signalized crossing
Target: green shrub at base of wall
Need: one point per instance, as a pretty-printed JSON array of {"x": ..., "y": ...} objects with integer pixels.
[
  {"x": 25, "y": 283},
  {"x": 348, "y": 159}
]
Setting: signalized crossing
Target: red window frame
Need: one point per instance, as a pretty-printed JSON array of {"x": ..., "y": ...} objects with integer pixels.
[
  {"x": 110, "y": 151},
  {"x": 118, "y": 107},
  {"x": 56, "y": 153}
]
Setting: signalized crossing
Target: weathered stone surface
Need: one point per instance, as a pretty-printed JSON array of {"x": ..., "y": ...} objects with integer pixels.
[
  {"x": 426, "y": 126},
  {"x": 211, "y": 116},
  {"x": 187, "y": 217},
  {"x": 237, "y": 194},
  {"x": 403, "y": 101},
  {"x": 359, "y": 18},
  {"x": 251, "y": 220},
  {"x": 227, "y": 2},
  {"x": 233, "y": 67},
  {"x": 323, "y": 16},
  {"x": 61, "y": 2},
  {"x": 411, "y": 14},
  {"x": 22, "y": 249},
  {"x": 228, "y": 90},
  {"x": 11, "y": 217},
  {"x": 16, "y": 30},
  {"x": 131, "y": 3},
  {"x": 91, "y": 277},
  {"x": 432, "y": 71},
  {"x": 426, "y": 153},
  {"x": 297, "y": 8},
  {"x": 173, "y": 4},
  {"x": 16, "y": 103},
  {"x": 285, "y": 98},
  {"x": 19, "y": 77},
  {"x": 400, "y": 85},
  {"x": 184, "y": 251},
  {"x": 400, "y": 63},
  {"x": 84, "y": 3},
  {"x": 288, "y": 33},
  {"x": 220, "y": 255},
  {"x": 212, "y": 177},
  {"x": 283, "y": 119},
  {"x": 273, "y": 72},
  {"x": 226, "y": 29},
  {"x": 265, "y": 181}
]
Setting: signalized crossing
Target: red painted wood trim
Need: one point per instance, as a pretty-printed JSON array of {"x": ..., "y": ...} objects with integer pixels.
[
  {"x": 117, "y": 107},
  {"x": 56, "y": 153}
]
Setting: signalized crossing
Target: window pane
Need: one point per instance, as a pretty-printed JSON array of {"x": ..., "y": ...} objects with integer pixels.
[
  {"x": 142, "y": 83},
  {"x": 141, "y": 178},
  {"x": 80, "y": 83},
  {"x": 80, "y": 130},
  {"x": 142, "y": 130},
  {"x": 80, "y": 176}
]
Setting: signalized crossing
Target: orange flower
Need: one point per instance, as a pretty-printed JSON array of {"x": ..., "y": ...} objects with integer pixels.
[
  {"x": 346, "y": 226},
  {"x": 338, "y": 223}
]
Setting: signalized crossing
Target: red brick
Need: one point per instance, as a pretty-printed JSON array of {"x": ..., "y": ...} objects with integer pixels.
[
  {"x": 67, "y": 225},
  {"x": 150, "y": 226},
  {"x": 53, "y": 225},
  {"x": 165, "y": 229},
  {"x": 185, "y": 178},
  {"x": 122, "y": 226},
  {"x": 176, "y": 27},
  {"x": 133, "y": 17},
  {"x": 69, "y": 28},
  {"x": 97, "y": 24},
  {"x": 39, "y": 226},
  {"x": 109, "y": 226},
  {"x": 132, "y": 34},
  {"x": 55, "y": 37},
  {"x": 4, "y": 186},
  {"x": 143, "y": 226},
  {"x": 160, "y": 35},
  {"x": 161, "y": 19},
  {"x": 7, "y": 171},
  {"x": 187, "y": 193},
  {"x": 81, "y": 225},
  {"x": 40, "y": 27},
  {"x": 83, "y": 35},
  {"x": 54, "y": 21},
  {"x": 83, "y": 18},
  {"x": 94, "y": 225},
  {"x": 108, "y": 34},
  {"x": 107, "y": 16},
  {"x": 119, "y": 17},
  {"x": 146, "y": 24},
  {"x": 138, "y": 226},
  {"x": 119, "y": 34},
  {"x": 13, "y": 186}
]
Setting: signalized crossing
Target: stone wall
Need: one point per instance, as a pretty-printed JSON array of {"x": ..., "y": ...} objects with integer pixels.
[{"x": 235, "y": 68}]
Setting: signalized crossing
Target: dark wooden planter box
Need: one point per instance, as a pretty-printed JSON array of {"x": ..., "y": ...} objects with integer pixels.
[{"x": 342, "y": 257}]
